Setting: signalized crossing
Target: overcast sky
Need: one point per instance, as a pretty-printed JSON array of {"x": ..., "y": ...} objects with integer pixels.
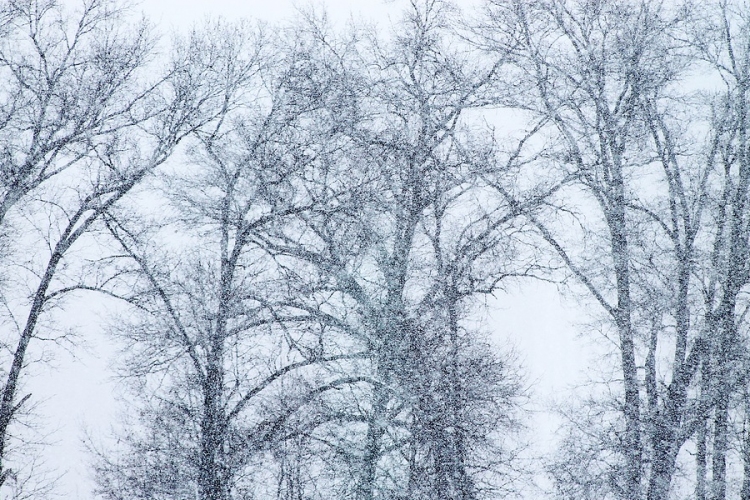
[{"x": 77, "y": 392}]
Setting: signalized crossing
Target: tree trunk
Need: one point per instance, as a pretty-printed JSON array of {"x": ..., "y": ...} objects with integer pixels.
[
  {"x": 666, "y": 437},
  {"x": 7, "y": 406},
  {"x": 211, "y": 480},
  {"x": 745, "y": 491},
  {"x": 719, "y": 461},
  {"x": 701, "y": 455},
  {"x": 375, "y": 431},
  {"x": 460, "y": 479},
  {"x": 723, "y": 375},
  {"x": 620, "y": 255},
  {"x": 701, "y": 461},
  {"x": 663, "y": 463}
]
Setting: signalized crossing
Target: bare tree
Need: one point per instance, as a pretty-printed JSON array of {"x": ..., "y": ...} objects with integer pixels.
[
  {"x": 338, "y": 241},
  {"x": 60, "y": 108},
  {"x": 341, "y": 214},
  {"x": 219, "y": 361},
  {"x": 400, "y": 267},
  {"x": 603, "y": 75},
  {"x": 719, "y": 37},
  {"x": 82, "y": 125}
]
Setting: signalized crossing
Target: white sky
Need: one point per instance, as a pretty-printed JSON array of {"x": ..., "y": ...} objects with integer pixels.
[
  {"x": 77, "y": 393},
  {"x": 181, "y": 14}
]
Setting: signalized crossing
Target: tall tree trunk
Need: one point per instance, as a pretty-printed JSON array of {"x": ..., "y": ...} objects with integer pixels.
[
  {"x": 620, "y": 254},
  {"x": 459, "y": 477},
  {"x": 666, "y": 436},
  {"x": 719, "y": 458},
  {"x": 725, "y": 357},
  {"x": 212, "y": 482},
  {"x": 8, "y": 406},
  {"x": 701, "y": 455},
  {"x": 745, "y": 491},
  {"x": 375, "y": 430},
  {"x": 722, "y": 375},
  {"x": 701, "y": 461},
  {"x": 663, "y": 461}
]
